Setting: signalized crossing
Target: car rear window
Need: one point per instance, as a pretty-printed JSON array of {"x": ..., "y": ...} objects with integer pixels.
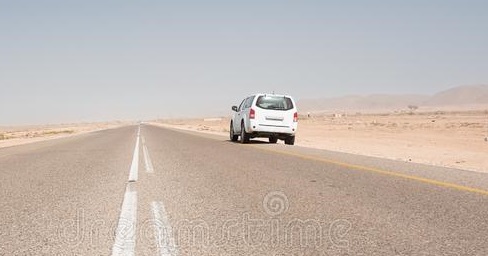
[{"x": 274, "y": 102}]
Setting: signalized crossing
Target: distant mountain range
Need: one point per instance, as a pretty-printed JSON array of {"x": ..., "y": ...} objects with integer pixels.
[{"x": 462, "y": 95}]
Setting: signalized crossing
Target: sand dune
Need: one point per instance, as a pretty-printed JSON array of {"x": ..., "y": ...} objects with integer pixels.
[
  {"x": 357, "y": 102},
  {"x": 476, "y": 94},
  {"x": 463, "y": 95}
]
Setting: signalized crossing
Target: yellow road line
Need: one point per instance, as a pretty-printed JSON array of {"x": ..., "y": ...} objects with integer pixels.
[{"x": 377, "y": 170}]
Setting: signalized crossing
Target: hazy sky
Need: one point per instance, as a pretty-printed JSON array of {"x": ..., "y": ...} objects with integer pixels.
[{"x": 65, "y": 61}]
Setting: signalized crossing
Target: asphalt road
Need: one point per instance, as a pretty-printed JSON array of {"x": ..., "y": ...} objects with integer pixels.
[{"x": 182, "y": 193}]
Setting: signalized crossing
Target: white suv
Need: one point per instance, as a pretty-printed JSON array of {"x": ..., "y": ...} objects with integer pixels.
[{"x": 267, "y": 116}]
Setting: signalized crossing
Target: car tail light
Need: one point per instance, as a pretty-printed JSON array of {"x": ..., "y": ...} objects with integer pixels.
[
  {"x": 295, "y": 117},
  {"x": 252, "y": 114}
]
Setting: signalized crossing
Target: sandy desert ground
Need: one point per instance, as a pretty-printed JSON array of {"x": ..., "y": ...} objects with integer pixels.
[
  {"x": 444, "y": 138},
  {"x": 18, "y": 135}
]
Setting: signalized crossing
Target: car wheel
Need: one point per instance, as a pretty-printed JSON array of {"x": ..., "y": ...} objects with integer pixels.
[
  {"x": 290, "y": 140},
  {"x": 273, "y": 139},
  {"x": 244, "y": 135},
  {"x": 233, "y": 136}
]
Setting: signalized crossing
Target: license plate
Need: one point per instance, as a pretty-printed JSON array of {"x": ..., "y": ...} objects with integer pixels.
[{"x": 274, "y": 118}]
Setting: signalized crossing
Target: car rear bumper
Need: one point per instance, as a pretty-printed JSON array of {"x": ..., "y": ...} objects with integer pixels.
[{"x": 268, "y": 130}]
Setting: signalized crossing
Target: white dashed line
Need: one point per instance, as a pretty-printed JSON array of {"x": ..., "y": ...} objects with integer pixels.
[
  {"x": 134, "y": 168},
  {"x": 147, "y": 157},
  {"x": 163, "y": 231},
  {"x": 125, "y": 240}
]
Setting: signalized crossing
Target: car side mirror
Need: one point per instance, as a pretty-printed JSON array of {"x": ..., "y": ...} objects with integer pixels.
[{"x": 234, "y": 108}]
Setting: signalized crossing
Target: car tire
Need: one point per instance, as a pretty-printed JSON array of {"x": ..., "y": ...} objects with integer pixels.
[
  {"x": 290, "y": 140},
  {"x": 273, "y": 140},
  {"x": 244, "y": 135},
  {"x": 233, "y": 136}
]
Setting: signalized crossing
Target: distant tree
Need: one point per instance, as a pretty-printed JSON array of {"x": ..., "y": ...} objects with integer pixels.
[{"x": 413, "y": 107}]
